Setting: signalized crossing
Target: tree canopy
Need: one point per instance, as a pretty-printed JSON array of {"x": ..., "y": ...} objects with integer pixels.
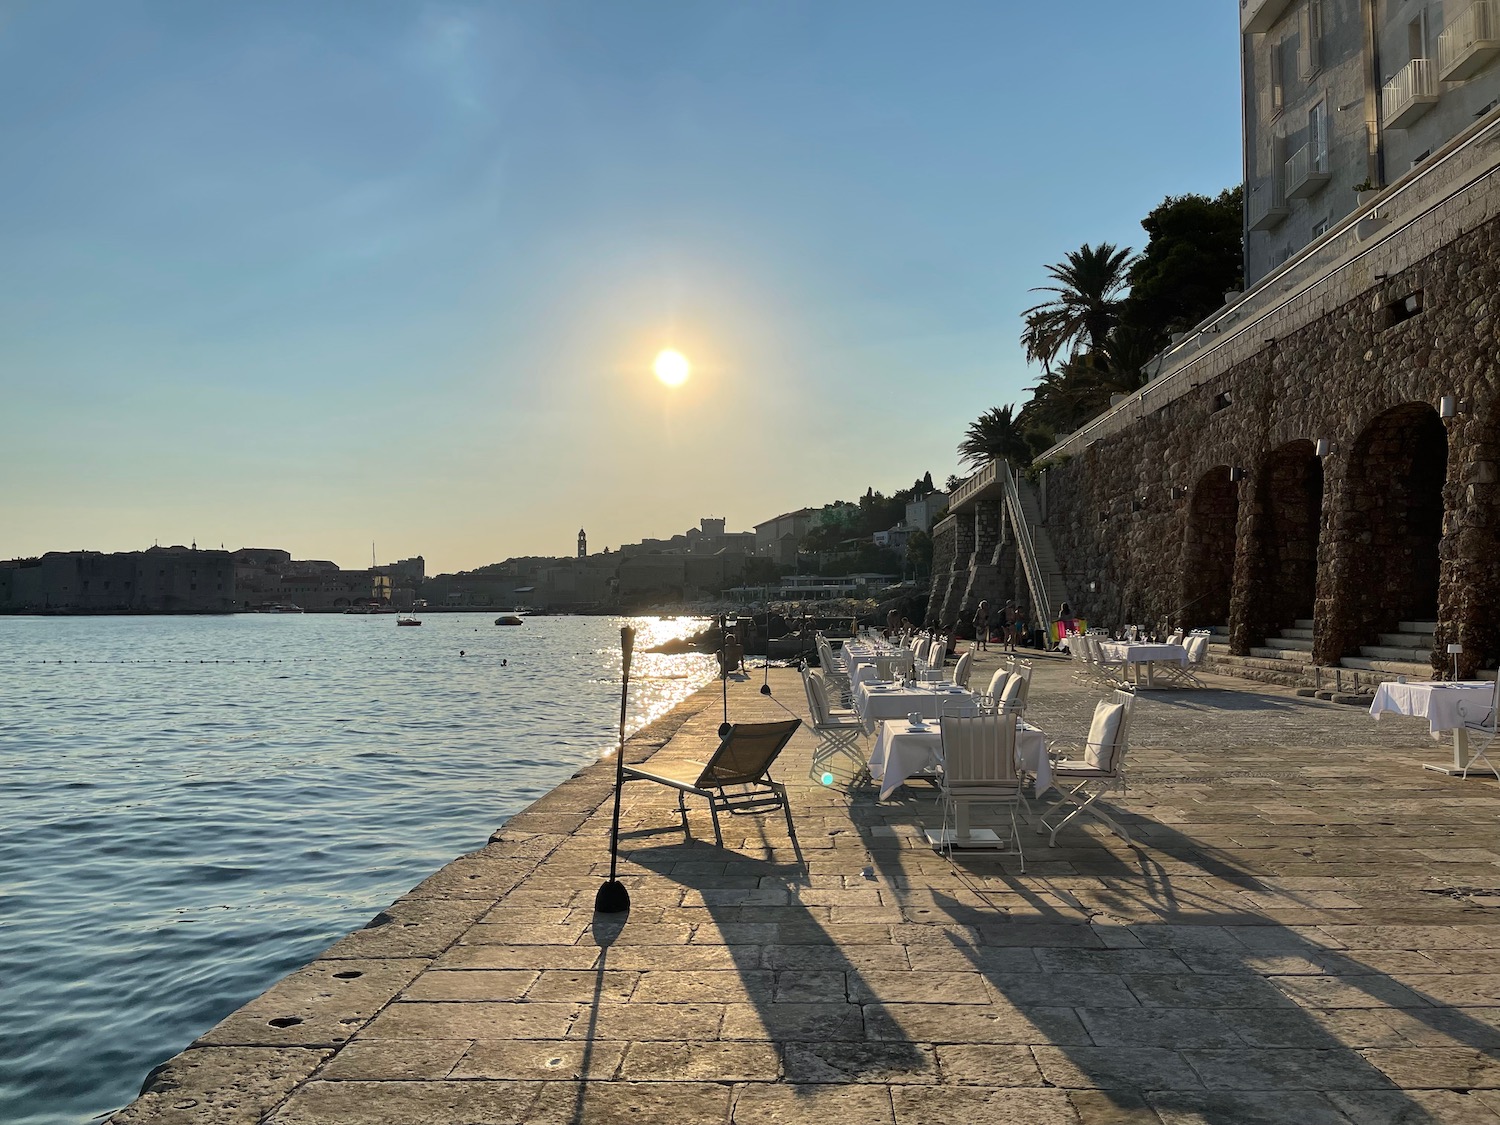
[{"x": 1108, "y": 314}]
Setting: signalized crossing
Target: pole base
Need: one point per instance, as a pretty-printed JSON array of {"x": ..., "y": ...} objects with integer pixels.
[
  {"x": 765, "y": 689},
  {"x": 1457, "y": 771},
  {"x": 612, "y": 898},
  {"x": 980, "y": 839},
  {"x": 724, "y": 729}
]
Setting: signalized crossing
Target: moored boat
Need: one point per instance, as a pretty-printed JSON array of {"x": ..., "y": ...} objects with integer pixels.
[{"x": 510, "y": 619}]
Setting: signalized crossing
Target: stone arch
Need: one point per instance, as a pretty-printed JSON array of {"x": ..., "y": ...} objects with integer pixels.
[
  {"x": 1208, "y": 550},
  {"x": 1291, "y": 501},
  {"x": 1393, "y": 523}
]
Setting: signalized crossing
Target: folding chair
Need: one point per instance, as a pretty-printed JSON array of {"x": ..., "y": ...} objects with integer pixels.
[
  {"x": 839, "y": 731},
  {"x": 979, "y": 767},
  {"x": 1101, "y": 769},
  {"x": 1484, "y": 728},
  {"x": 736, "y": 777}
]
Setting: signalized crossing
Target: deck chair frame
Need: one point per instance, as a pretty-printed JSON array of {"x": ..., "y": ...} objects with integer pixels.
[{"x": 732, "y": 766}]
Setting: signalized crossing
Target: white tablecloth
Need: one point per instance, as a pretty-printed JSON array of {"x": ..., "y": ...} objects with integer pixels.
[
  {"x": 1445, "y": 706},
  {"x": 1136, "y": 653},
  {"x": 883, "y": 662},
  {"x": 901, "y": 753},
  {"x": 876, "y": 701}
]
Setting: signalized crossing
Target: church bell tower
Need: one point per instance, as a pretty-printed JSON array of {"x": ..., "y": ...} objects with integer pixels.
[{"x": 583, "y": 544}]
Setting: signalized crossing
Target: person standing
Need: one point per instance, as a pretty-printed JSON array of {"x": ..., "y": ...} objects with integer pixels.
[
  {"x": 982, "y": 625},
  {"x": 1010, "y": 627},
  {"x": 1022, "y": 625}
]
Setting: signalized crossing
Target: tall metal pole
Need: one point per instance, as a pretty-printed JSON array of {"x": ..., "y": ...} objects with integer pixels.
[{"x": 612, "y": 897}]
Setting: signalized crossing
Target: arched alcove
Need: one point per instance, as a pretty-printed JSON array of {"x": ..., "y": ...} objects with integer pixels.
[
  {"x": 1395, "y": 514},
  {"x": 1208, "y": 550},
  {"x": 1291, "y": 496}
]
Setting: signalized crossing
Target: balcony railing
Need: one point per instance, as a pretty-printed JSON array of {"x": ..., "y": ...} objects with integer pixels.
[
  {"x": 1306, "y": 172},
  {"x": 1470, "y": 42},
  {"x": 1257, "y": 16},
  {"x": 1410, "y": 94},
  {"x": 1268, "y": 207}
]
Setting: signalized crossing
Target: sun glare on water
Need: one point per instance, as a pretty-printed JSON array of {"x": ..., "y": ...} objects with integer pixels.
[{"x": 672, "y": 368}]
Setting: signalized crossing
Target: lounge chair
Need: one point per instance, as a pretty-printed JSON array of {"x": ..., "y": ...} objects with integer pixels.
[{"x": 736, "y": 777}]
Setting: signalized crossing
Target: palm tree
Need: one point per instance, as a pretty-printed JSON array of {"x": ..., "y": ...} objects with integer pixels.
[
  {"x": 992, "y": 436},
  {"x": 1086, "y": 305}
]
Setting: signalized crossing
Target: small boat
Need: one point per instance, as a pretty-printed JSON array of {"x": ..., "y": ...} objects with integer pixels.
[
  {"x": 407, "y": 621},
  {"x": 510, "y": 619}
]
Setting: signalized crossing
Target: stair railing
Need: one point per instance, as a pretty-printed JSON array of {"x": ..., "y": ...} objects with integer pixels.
[{"x": 1035, "y": 580}]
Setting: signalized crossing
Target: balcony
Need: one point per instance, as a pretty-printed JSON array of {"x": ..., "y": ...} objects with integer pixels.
[
  {"x": 1410, "y": 94},
  {"x": 1258, "y": 16},
  {"x": 1306, "y": 172},
  {"x": 1470, "y": 42},
  {"x": 1268, "y": 208}
]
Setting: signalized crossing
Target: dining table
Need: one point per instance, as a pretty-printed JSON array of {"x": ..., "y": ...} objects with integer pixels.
[
  {"x": 878, "y": 700},
  {"x": 904, "y": 750},
  {"x": 1447, "y": 705},
  {"x": 1138, "y": 655}
]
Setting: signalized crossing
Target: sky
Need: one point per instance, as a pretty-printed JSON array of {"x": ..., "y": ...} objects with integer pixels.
[{"x": 317, "y": 276}]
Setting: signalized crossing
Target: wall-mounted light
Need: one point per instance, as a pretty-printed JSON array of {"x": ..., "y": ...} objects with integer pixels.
[
  {"x": 1103, "y": 516},
  {"x": 1093, "y": 586},
  {"x": 1450, "y": 406},
  {"x": 1136, "y": 504},
  {"x": 1178, "y": 492},
  {"x": 1236, "y": 474},
  {"x": 1322, "y": 447}
]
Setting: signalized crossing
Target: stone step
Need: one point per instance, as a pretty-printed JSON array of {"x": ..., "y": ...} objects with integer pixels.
[
  {"x": 1395, "y": 652},
  {"x": 1303, "y": 623},
  {"x": 1290, "y": 644},
  {"x": 1295, "y": 656},
  {"x": 1417, "y": 626},
  {"x": 1410, "y": 669},
  {"x": 1219, "y": 630},
  {"x": 1298, "y": 634},
  {"x": 1423, "y": 641}
]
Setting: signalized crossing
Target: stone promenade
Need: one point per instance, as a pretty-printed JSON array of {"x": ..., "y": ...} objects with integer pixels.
[{"x": 1307, "y": 934}]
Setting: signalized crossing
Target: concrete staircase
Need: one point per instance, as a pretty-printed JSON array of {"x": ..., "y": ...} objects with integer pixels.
[
  {"x": 1406, "y": 652},
  {"x": 1287, "y": 659}
]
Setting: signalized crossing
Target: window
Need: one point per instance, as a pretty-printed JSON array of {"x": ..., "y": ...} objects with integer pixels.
[
  {"x": 1320, "y": 227},
  {"x": 1310, "y": 57},
  {"x": 1277, "y": 87},
  {"x": 1416, "y": 36},
  {"x": 1317, "y": 137}
]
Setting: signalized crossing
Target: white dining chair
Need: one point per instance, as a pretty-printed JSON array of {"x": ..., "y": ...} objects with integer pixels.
[
  {"x": 980, "y": 767},
  {"x": 1099, "y": 769}
]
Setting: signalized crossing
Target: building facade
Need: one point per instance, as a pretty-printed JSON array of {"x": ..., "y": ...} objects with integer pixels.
[{"x": 1343, "y": 95}]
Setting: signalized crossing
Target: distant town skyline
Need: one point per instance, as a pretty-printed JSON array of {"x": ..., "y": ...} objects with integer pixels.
[{"x": 313, "y": 276}]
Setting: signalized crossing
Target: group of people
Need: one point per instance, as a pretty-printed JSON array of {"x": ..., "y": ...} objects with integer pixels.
[
  {"x": 1011, "y": 623},
  {"x": 1009, "y": 628}
]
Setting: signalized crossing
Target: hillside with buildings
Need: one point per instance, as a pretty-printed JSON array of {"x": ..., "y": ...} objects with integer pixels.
[{"x": 829, "y": 551}]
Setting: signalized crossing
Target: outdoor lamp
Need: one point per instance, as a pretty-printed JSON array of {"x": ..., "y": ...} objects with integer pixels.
[
  {"x": 1449, "y": 406},
  {"x": 1323, "y": 447},
  {"x": 1236, "y": 474}
]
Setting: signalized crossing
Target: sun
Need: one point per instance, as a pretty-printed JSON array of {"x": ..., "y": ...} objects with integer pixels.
[{"x": 672, "y": 368}]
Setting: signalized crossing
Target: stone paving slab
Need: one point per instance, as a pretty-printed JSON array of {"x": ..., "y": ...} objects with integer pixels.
[{"x": 1308, "y": 931}]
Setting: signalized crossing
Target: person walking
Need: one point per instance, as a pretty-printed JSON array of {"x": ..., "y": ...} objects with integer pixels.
[
  {"x": 982, "y": 626},
  {"x": 1009, "y": 639}
]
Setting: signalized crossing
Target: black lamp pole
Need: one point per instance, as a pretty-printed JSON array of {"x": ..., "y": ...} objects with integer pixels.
[
  {"x": 725, "y": 727},
  {"x": 765, "y": 688},
  {"x": 612, "y": 897}
]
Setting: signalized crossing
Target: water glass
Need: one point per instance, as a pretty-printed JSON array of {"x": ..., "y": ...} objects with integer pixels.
[{"x": 914, "y": 718}]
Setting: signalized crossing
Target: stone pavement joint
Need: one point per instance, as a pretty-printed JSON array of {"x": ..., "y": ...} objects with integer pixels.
[{"x": 1308, "y": 932}]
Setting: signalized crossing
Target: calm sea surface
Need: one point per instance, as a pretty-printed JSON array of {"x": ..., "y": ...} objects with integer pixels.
[{"x": 192, "y": 807}]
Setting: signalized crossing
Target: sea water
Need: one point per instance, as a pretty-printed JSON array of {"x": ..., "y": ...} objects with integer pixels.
[{"x": 191, "y": 807}]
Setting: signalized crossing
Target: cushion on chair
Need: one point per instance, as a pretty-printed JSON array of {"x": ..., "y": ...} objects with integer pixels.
[
  {"x": 1010, "y": 698},
  {"x": 1100, "y": 752},
  {"x": 997, "y": 683}
]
